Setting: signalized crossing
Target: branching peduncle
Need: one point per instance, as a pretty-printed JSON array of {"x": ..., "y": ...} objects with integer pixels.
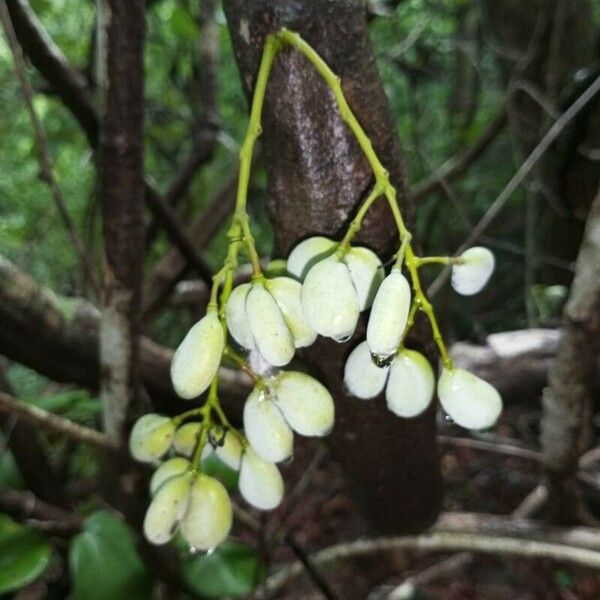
[{"x": 240, "y": 235}]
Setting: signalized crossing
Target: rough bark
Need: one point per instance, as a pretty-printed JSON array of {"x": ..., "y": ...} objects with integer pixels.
[
  {"x": 317, "y": 176},
  {"x": 574, "y": 379},
  {"x": 121, "y": 42}
]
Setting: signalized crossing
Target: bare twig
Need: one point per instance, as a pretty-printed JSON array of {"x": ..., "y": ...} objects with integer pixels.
[
  {"x": 496, "y": 207},
  {"x": 44, "y": 158},
  {"x": 54, "y": 423}
]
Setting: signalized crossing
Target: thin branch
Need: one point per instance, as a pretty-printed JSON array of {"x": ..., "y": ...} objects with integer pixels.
[
  {"x": 172, "y": 266},
  {"x": 26, "y": 507},
  {"x": 496, "y": 447},
  {"x": 50, "y": 61},
  {"x": 456, "y": 165},
  {"x": 496, "y": 207},
  {"x": 30, "y": 456},
  {"x": 66, "y": 344},
  {"x": 44, "y": 158},
  {"x": 70, "y": 86},
  {"x": 54, "y": 423}
]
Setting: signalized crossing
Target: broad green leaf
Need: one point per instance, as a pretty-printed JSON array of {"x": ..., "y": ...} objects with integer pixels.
[
  {"x": 104, "y": 562},
  {"x": 232, "y": 569},
  {"x": 24, "y": 555}
]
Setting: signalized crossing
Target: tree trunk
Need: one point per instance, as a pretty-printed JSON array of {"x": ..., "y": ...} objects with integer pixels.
[
  {"x": 574, "y": 380},
  {"x": 122, "y": 193},
  {"x": 317, "y": 177}
]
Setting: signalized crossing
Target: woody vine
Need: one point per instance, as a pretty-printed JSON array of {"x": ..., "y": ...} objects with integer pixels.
[{"x": 326, "y": 285}]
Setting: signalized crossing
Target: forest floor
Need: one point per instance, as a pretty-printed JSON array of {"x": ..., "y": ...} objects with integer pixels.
[{"x": 475, "y": 481}]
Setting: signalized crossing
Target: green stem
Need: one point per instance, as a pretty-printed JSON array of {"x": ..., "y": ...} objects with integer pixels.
[
  {"x": 439, "y": 260},
  {"x": 242, "y": 363},
  {"x": 356, "y": 223},
  {"x": 382, "y": 180}
]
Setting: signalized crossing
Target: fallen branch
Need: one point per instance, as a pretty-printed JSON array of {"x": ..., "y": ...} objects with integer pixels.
[{"x": 464, "y": 532}]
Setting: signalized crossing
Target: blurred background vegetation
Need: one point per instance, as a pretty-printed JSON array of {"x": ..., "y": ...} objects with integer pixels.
[{"x": 445, "y": 76}]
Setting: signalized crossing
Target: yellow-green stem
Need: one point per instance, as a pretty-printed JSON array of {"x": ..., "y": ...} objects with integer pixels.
[
  {"x": 382, "y": 181},
  {"x": 356, "y": 223}
]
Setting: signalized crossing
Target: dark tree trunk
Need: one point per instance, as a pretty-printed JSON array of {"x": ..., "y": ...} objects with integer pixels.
[
  {"x": 317, "y": 176},
  {"x": 122, "y": 194}
]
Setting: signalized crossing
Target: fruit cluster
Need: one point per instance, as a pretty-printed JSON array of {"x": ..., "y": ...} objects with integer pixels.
[{"x": 325, "y": 286}]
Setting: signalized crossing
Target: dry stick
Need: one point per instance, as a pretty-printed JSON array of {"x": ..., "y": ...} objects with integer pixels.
[
  {"x": 531, "y": 161},
  {"x": 44, "y": 158},
  {"x": 54, "y": 423}
]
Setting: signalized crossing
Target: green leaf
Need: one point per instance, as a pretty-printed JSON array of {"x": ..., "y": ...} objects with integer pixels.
[
  {"x": 232, "y": 569},
  {"x": 216, "y": 468},
  {"x": 104, "y": 562},
  {"x": 24, "y": 555},
  {"x": 10, "y": 475}
]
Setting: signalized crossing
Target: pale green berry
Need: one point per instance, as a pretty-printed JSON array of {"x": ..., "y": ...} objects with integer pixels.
[
  {"x": 186, "y": 437},
  {"x": 410, "y": 385},
  {"x": 260, "y": 481},
  {"x": 307, "y": 253},
  {"x": 329, "y": 299},
  {"x": 169, "y": 469},
  {"x": 167, "y": 509},
  {"x": 471, "y": 276},
  {"x": 276, "y": 268},
  {"x": 151, "y": 437},
  {"x": 362, "y": 377},
  {"x": 266, "y": 428},
  {"x": 269, "y": 329},
  {"x": 208, "y": 518},
  {"x": 366, "y": 272},
  {"x": 230, "y": 452},
  {"x": 288, "y": 295},
  {"x": 196, "y": 360},
  {"x": 469, "y": 400},
  {"x": 237, "y": 322},
  {"x": 389, "y": 315},
  {"x": 305, "y": 403}
]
